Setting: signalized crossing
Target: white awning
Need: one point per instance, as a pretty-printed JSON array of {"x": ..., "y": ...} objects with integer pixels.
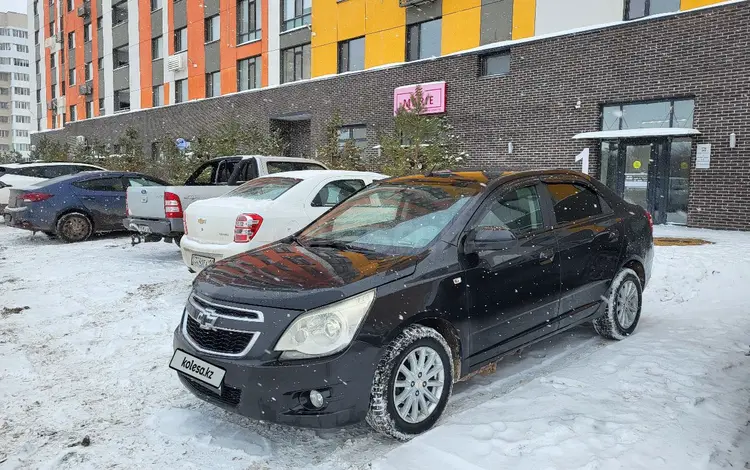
[{"x": 648, "y": 132}]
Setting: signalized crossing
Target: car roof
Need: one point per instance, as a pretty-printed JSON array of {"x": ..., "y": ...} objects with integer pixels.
[
  {"x": 266, "y": 158},
  {"x": 323, "y": 174},
  {"x": 34, "y": 165},
  {"x": 486, "y": 177}
]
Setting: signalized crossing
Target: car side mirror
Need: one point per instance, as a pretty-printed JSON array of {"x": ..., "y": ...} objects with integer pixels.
[{"x": 488, "y": 238}]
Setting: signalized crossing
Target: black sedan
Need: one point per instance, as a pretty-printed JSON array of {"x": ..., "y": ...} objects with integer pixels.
[
  {"x": 379, "y": 306},
  {"x": 74, "y": 207}
]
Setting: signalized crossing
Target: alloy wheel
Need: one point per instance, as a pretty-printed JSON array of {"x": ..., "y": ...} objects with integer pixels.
[
  {"x": 627, "y": 304},
  {"x": 420, "y": 379}
]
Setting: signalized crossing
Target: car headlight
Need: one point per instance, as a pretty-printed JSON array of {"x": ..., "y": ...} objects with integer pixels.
[{"x": 326, "y": 330}]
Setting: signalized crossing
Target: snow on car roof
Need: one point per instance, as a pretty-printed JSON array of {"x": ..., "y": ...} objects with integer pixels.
[{"x": 34, "y": 165}]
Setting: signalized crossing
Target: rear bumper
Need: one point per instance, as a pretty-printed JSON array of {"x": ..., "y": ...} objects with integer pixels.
[
  {"x": 21, "y": 217},
  {"x": 190, "y": 247},
  {"x": 162, "y": 227}
]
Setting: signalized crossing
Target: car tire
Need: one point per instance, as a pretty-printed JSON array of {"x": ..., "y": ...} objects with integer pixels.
[
  {"x": 50, "y": 235},
  {"x": 74, "y": 227},
  {"x": 387, "y": 413},
  {"x": 177, "y": 240},
  {"x": 623, "y": 309}
]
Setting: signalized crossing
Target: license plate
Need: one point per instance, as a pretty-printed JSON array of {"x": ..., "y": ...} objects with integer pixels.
[
  {"x": 144, "y": 228},
  {"x": 202, "y": 261},
  {"x": 197, "y": 368}
]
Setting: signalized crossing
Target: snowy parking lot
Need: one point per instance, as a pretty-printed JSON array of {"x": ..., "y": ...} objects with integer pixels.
[{"x": 86, "y": 336}]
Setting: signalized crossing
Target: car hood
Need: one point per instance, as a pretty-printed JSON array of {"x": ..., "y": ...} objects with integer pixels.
[{"x": 295, "y": 277}]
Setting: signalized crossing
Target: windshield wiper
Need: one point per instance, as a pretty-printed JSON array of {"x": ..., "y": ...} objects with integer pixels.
[{"x": 339, "y": 245}]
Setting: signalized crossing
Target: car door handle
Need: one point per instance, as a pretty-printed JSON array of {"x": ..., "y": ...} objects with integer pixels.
[
  {"x": 88, "y": 198},
  {"x": 546, "y": 256},
  {"x": 610, "y": 235}
]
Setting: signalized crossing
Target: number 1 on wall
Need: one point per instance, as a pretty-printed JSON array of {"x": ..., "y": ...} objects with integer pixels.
[{"x": 583, "y": 157}]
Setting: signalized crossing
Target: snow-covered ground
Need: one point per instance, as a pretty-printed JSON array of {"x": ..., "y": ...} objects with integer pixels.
[{"x": 89, "y": 355}]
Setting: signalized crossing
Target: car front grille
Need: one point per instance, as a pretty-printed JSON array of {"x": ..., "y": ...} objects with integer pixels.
[
  {"x": 218, "y": 340},
  {"x": 229, "y": 395}
]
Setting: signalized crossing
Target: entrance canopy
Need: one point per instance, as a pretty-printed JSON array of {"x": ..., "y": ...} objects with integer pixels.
[{"x": 633, "y": 133}]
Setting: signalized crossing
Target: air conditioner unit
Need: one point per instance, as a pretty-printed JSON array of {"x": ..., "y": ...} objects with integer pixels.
[
  {"x": 174, "y": 63},
  {"x": 51, "y": 104},
  {"x": 84, "y": 89},
  {"x": 411, "y": 3},
  {"x": 60, "y": 102},
  {"x": 83, "y": 10},
  {"x": 81, "y": 140},
  {"x": 50, "y": 42},
  {"x": 59, "y": 37}
]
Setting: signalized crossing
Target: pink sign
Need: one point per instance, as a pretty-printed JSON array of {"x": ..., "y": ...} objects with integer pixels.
[{"x": 432, "y": 93}]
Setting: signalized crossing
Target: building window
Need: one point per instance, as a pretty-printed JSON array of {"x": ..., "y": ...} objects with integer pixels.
[
  {"x": 248, "y": 21},
  {"x": 101, "y": 106},
  {"x": 89, "y": 109},
  {"x": 23, "y": 119},
  {"x": 87, "y": 32},
  {"x": 72, "y": 40},
  {"x": 295, "y": 63},
  {"x": 53, "y": 90},
  {"x": 36, "y": 37},
  {"x": 678, "y": 113},
  {"x": 71, "y": 77},
  {"x": 423, "y": 40},
  {"x": 22, "y": 48},
  {"x": 211, "y": 29},
  {"x": 99, "y": 22},
  {"x": 22, "y": 105},
  {"x": 52, "y": 60},
  {"x": 157, "y": 46},
  {"x": 156, "y": 5},
  {"x": 88, "y": 71},
  {"x": 73, "y": 113},
  {"x": 70, "y": 5},
  {"x": 36, "y": 7},
  {"x": 295, "y": 13},
  {"x": 122, "y": 100},
  {"x": 5, "y": 61},
  {"x": 100, "y": 63},
  {"x": 18, "y": 90},
  {"x": 180, "y": 40},
  {"x": 352, "y": 55},
  {"x": 120, "y": 57},
  {"x": 157, "y": 96},
  {"x": 119, "y": 13},
  {"x": 52, "y": 29},
  {"x": 22, "y": 77},
  {"x": 180, "y": 91},
  {"x": 355, "y": 134},
  {"x": 39, "y": 96},
  {"x": 248, "y": 73},
  {"x": 22, "y": 133},
  {"x": 62, "y": 88},
  {"x": 496, "y": 64},
  {"x": 213, "y": 84},
  {"x": 635, "y": 9}
]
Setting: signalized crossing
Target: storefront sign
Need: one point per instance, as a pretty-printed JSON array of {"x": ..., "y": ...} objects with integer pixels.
[
  {"x": 703, "y": 156},
  {"x": 433, "y": 95}
]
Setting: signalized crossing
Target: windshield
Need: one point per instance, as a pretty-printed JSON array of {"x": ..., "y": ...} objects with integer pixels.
[
  {"x": 264, "y": 188},
  {"x": 391, "y": 218}
]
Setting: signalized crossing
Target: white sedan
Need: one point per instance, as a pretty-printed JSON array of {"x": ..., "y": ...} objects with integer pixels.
[{"x": 262, "y": 211}]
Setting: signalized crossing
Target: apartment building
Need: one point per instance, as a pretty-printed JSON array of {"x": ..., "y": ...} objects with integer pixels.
[
  {"x": 16, "y": 101},
  {"x": 651, "y": 95}
]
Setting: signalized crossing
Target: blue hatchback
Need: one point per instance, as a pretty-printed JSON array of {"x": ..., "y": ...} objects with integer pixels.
[{"x": 73, "y": 207}]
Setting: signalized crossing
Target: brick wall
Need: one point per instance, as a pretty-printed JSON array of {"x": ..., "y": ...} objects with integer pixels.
[{"x": 701, "y": 54}]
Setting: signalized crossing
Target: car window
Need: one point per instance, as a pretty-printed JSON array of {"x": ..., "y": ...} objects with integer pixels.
[
  {"x": 278, "y": 167},
  {"x": 203, "y": 175},
  {"x": 34, "y": 171},
  {"x": 224, "y": 171},
  {"x": 248, "y": 171},
  {"x": 264, "y": 188},
  {"x": 101, "y": 184},
  {"x": 80, "y": 168},
  {"x": 140, "y": 181},
  {"x": 53, "y": 171},
  {"x": 519, "y": 211},
  {"x": 392, "y": 218},
  {"x": 573, "y": 202},
  {"x": 335, "y": 192}
]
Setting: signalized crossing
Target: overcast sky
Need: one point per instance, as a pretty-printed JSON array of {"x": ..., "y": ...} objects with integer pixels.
[{"x": 13, "y": 5}]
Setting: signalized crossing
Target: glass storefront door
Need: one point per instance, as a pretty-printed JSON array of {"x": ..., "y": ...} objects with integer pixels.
[{"x": 653, "y": 173}]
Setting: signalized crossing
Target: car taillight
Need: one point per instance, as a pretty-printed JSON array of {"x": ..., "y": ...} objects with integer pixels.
[
  {"x": 246, "y": 227},
  {"x": 127, "y": 207},
  {"x": 172, "y": 206},
  {"x": 35, "y": 197},
  {"x": 650, "y": 221}
]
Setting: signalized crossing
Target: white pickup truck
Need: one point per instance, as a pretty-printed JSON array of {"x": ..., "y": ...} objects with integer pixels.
[{"x": 155, "y": 213}]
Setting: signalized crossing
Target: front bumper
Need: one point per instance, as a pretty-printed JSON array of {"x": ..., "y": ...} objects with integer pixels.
[
  {"x": 160, "y": 227},
  {"x": 275, "y": 392}
]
